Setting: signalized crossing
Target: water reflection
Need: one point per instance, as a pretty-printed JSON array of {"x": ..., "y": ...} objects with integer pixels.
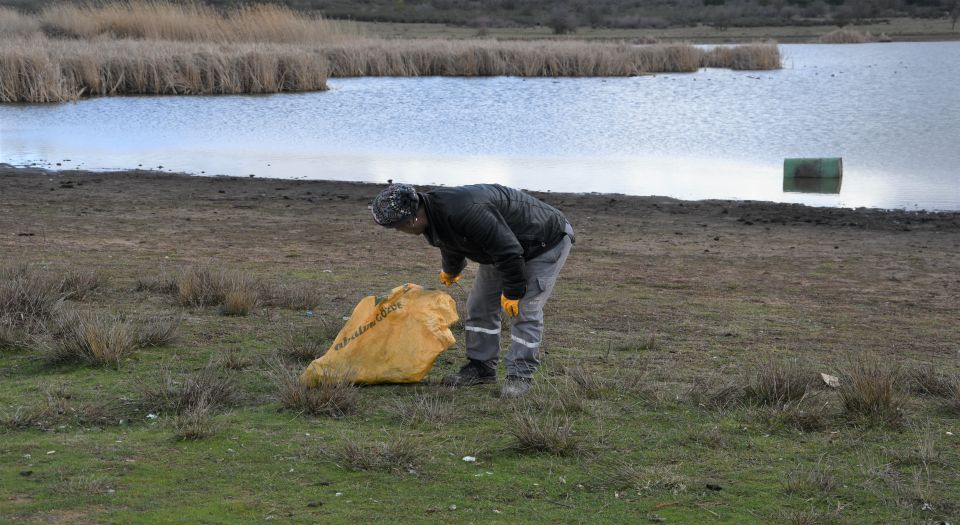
[{"x": 811, "y": 185}]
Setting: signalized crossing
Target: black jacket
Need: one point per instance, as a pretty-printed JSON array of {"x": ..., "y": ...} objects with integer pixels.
[{"x": 491, "y": 224}]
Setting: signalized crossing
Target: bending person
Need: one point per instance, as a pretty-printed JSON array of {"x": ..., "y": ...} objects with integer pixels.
[{"x": 520, "y": 242}]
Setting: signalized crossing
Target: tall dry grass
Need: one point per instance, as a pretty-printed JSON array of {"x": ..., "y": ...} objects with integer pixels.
[
  {"x": 868, "y": 392},
  {"x": 472, "y": 58},
  {"x": 15, "y": 24},
  {"x": 191, "y": 22},
  {"x": 159, "y": 48},
  {"x": 45, "y": 70},
  {"x": 28, "y": 296},
  {"x": 758, "y": 56},
  {"x": 90, "y": 337},
  {"x": 846, "y": 36}
]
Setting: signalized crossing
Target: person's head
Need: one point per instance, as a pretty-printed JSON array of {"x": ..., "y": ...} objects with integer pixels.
[{"x": 398, "y": 207}]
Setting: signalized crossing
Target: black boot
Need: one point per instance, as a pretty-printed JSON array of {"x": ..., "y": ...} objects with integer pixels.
[{"x": 473, "y": 373}]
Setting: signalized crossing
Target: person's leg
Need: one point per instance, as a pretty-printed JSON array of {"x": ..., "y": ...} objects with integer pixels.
[
  {"x": 482, "y": 325},
  {"x": 527, "y": 331}
]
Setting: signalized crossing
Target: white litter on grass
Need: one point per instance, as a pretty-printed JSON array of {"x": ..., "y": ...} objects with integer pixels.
[
  {"x": 949, "y": 433},
  {"x": 51, "y": 452},
  {"x": 831, "y": 381},
  {"x": 338, "y": 494},
  {"x": 470, "y": 459},
  {"x": 152, "y": 416}
]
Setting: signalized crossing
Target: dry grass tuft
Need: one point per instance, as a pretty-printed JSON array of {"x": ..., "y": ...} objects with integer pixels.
[
  {"x": 195, "y": 422},
  {"x": 549, "y": 433},
  {"x": 587, "y": 382},
  {"x": 210, "y": 387},
  {"x": 715, "y": 394},
  {"x": 90, "y": 337},
  {"x": 397, "y": 453},
  {"x": 28, "y": 297},
  {"x": 868, "y": 391},
  {"x": 926, "y": 450},
  {"x": 953, "y": 400},
  {"x": 307, "y": 345},
  {"x": 650, "y": 478},
  {"x": 158, "y": 331},
  {"x": 162, "y": 285},
  {"x": 845, "y": 36},
  {"x": 425, "y": 408},
  {"x": 810, "y": 481},
  {"x": 11, "y": 335},
  {"x": 201, "y": 286},
  {"x": 232, "y": 359},
  {"x": 553, "y": 395},
  {"x": 297, "y": 296},
  {"x": 335, "y": 396},
  {"x": 76, "y": 284},
  {"x": 807, "y": 415},
  {"x": 929, "y": 380},
  {"x": 780, "y": 382},
  {"x": 239, "y": 301},
  {"x": 85, "y": 485}
]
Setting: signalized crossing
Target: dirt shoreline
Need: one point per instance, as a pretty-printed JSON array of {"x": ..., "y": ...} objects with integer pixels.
[{"x": 749, "y": 212}]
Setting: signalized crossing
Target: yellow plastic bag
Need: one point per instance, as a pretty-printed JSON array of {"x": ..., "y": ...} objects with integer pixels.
[{"x": 394, "y": 341}]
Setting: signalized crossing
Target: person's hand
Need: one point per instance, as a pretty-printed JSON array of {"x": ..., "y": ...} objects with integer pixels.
[
  {"x": 446, "y": 279},
  {"x": 511, "y": 306}
]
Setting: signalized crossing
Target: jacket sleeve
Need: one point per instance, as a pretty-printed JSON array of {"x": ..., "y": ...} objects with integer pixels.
[
  {"x": 486, "y": 227},
  {"x": 452, "y": 263}
]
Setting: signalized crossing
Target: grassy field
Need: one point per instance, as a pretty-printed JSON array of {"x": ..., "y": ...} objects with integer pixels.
[{"x": 680, "y": 382}]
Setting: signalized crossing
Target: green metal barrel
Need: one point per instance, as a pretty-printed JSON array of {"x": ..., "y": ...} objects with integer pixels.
[
  {"x": 825, "y": 168},
  {"x": 812, "y": 175}
]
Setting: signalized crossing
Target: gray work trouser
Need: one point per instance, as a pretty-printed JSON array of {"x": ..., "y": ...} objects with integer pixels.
[{"x": 483, "y": 312}]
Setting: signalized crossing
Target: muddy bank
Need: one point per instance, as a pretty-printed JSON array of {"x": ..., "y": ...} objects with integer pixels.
[{"x": 142, "y": 183}]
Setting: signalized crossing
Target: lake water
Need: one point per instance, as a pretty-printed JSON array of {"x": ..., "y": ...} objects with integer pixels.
[{"x": 891, "y": 111}]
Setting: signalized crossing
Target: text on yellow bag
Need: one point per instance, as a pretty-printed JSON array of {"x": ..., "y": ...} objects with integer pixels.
[{"x": 394, "y": 341}]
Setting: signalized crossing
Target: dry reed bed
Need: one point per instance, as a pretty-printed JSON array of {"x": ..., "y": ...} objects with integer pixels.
[
  {"x": 157, "y": 48},
  {"x": 49, "y": 70},
  {"x": 42, "y": 70}
]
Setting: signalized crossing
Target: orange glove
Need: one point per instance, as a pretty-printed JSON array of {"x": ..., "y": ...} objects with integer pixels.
[
  {"x": 446, "y": 279},
  {"x": 511, "y": 306}
]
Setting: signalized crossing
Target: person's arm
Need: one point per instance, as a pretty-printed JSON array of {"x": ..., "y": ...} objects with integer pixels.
[
  {"x": 485, "y": 226},
  {"x": 452, "y": 263}
]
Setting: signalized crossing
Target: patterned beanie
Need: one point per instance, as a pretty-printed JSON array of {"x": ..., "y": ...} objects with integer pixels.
[{"x": 395, "y": 204}]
